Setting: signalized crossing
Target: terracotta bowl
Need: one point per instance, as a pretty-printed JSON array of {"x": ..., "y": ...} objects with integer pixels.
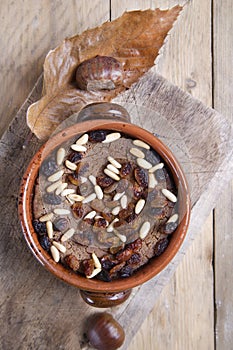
[{"x": 95, "y": 292}]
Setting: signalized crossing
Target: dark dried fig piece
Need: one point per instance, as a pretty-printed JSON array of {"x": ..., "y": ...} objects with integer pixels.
[
  {"x": 124, "y": 255},
  {"x": 160, "y": 246},
  {"x": 48, "y": 167},
  {"x": 170, "y": 227},
  {"x": 39, "y": 227},
  {"x": 45, "y": 243},
  {"x": 52, "y": 198},
  {"x": 107, "y": 262},
  {"x": 97, "y": 135},
  {"x": 101, "y": 223},
  {"x": 75, "y": 157},
  {"x": 126, "y": 271},
  {"x": 135, "y": 259},
  {"x": 61, "y": 224}
]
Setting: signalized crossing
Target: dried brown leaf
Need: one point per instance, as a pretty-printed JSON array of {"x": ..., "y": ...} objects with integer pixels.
[{"x": 134, "y": 39}]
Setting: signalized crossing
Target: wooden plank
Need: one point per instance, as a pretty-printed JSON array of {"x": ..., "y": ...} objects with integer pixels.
[
  {"x": 31, "y": 29},
  {"x": 181, "y": 63},
  {"x": 223, "y": 97}
]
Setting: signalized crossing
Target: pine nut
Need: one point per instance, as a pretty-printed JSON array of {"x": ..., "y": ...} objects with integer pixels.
[
  {"x": 169, "y": 195},
  {"x": 140, "y": 143},
  {"x": 59, "y": 246},
  {"x": 116, "y": 210},
  {"x": 173, "y": 218},
  {"x": 139, "y": 206},
  {"x": 82, "y": 140},
  {"x": 124, "y": 201},
  {"x": 55, "y": 253},
  {"x": 56, "y": 176},
  {"x": 92, "y": 178},
  {"x": 99, "y": 192},
  {"x": 94, "y": 273},
  {"x": 118, "y": 196},
  {"x": 122, "y": 237},
  {"x": 61, "y": 188},
  {"x": 61, "y": 211},
  {"x": 90, "y": 215},
  {"x": 60, "y": 155},
  {"x": 70, "y": 165},
  {"x": 114, "y": 162},
  {"x": 49, "y": 228},
  {"x": 111, "y": 174},
  {"x": 46, "y": 217},
  {"x": 113, "y": 169},
  {"x": 96, "y": 261},
  {"x": 144, "y": 230},
  {"x": 78, "y": 148},
  {"x": 112, "y": 137},
  {"x": 76, "y": 197},
  {"x": 152, "y": 181},
  {"x": 156, "y": 167},
  {"x": 53, "y": 187},
  {"x": 67, "y": 235},
  {"x": 67, "y": 191},
  {"x": 89, "y": 198},
  {"x": 137, "y": 153},
  {"x": 110, "y": 228},
  {"x": 143, "y": 163}
]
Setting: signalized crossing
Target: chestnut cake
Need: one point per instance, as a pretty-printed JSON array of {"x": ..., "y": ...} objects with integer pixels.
[{"x": 104, "y": 204}]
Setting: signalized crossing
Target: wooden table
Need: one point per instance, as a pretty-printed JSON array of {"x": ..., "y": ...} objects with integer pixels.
[{"x": 195, "y": 310}]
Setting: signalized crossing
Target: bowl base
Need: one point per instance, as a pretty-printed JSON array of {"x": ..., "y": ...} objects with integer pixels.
[{"x": 105, "y": 300}]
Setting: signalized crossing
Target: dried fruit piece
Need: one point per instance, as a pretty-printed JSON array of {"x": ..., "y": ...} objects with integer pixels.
[
  {"x": 125, "y": 169},
  {"x": 160, "y": 246},
  {"x": 39, "y": 227},
  {"x": 78, "y": 210},
  {"x": 72, "y": 262},
  {"x": 52, "y": 198},
  {"x": 45, "y": 243},
  {"x": 48, "y": 167},
  {"x": 101, "y": 223},
  {"x": 141, "y": 177},
  {"x": 104, "y": 181},
  {"x": 97, "y": 135},
  {"x": 126, "y": 271},
  {"x": 88, "y": 266},
  {"x": 170, "y": 227},
  {"x": 75, "y": 157},
  {"x": 61, "y": 224}
]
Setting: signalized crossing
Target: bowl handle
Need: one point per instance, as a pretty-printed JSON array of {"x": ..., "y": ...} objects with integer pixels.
[
  {"x": 104, "y": 300},
  {"x": 103, "y": 110}
]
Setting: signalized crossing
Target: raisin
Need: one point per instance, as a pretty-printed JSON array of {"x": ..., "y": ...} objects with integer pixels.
[
  {"x": 104, "y": 181},
  {"x": 135, "y": 245},
  {"x": 77, "y": 210},
  {"x": 104, "y": 276},
  {"x": 48, "y": 167},
  {"x": 170, "y": 227},
  {"x": 97, "y": 135},
  {"x": 125, "y": 169},
  {"x": 74, "y": 157},
  {"x": 160, "y": 246},
  {"x": 61, "y": 224},
  {"x": 126, "y": 271},
  {"x": 88, "y": 266},
  {"x": 45, "y": 243},
  {"x": 52, "y": 198},
  {"x": 138, "y": 191},
  {"x": 101, "y": 223},
  {"x": 114, "y": 271},
  {"x": 135, "y": 259},
  {"x": 111, "y": 188},
  {"x": 107, "y": 263},
  {"x": 124, "y": 255},
  {"x": 73, "y": 178},
  {"x": 124, "y": 213},
  {"x": 90, "y": 221},
  {"x": 72, "y": 262},
  {"x": 39, "y": 227},
  {"x": 141, "y": 177}
]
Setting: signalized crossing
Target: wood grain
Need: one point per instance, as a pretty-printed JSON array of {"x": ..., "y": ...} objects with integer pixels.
[{"x": 223, "y": 97}]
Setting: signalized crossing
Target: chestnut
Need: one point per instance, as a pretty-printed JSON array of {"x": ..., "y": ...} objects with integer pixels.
[
  {"x": 99, "y": 73},
  {"x": 104, "y": 332}
]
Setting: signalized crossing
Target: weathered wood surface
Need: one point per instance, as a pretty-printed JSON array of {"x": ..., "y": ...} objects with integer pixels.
[
  {"x": 27, "y": 324},
  {"x": 223, "y": 102}
]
